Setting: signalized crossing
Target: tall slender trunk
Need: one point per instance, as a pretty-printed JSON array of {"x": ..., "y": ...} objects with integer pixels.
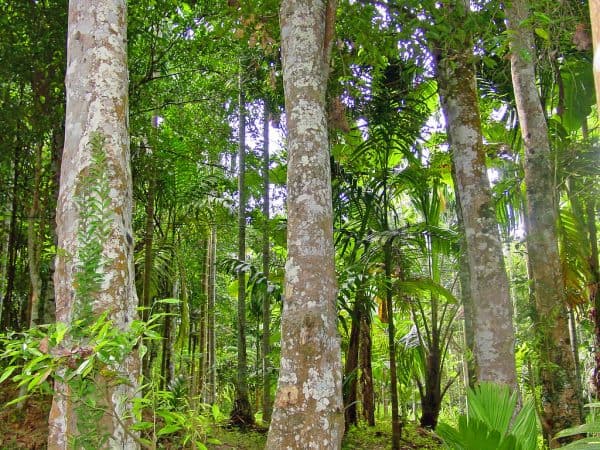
[
  {"x": 560, "y": 399},
  {"x": 389, "y": 301},
  {"x": 211, "y": 363},
  {"x": 8, "y": 309},
  {"x": 241, "y": 415},
  {"x": 351, "y": 370},
  {"x": 266, "y": 260},
  {"x": 493, "y": 330},
  {"x": 146, "y": 302},
  {"x": 308, "y": 411},
  {"x": 366, "y": 370}
]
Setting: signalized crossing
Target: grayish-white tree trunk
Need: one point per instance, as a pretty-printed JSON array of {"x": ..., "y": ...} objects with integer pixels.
[
  {"x": 308, "y": 411},
  {"x": 97, "y": 104},
  {"x": 560, "y": 399},
  {"x": 494, "y": 338}
]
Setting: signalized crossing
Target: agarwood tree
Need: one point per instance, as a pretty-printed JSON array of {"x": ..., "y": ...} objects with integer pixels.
[
  {"x": 560, "y": 399},
  {"x": 494, "y": 337},
  {"x": 96, "y": 161},
  {"x": 308, "y": 411}
]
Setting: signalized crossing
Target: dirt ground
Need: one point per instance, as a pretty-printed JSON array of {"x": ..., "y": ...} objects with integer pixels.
[{"x": 26, "y": 427}]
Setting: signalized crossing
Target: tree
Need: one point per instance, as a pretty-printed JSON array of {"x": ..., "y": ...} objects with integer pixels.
[
  {"x": 242, "y": 410},
  {"x": 308, "y": 410},
  {"x": 494, "y": 338},
  {"x": 96, "y": 181},
  {"x": 560, "y": 399}
]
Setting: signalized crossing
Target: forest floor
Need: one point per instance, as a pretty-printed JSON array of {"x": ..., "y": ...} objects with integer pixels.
[
  {"x": 27, "y": 428},
  {"x": 361, "y": 438}
]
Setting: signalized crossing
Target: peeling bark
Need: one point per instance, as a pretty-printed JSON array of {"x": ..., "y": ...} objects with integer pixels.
[
  {"x": 308, "y": 411},
  {"x": 96, "y": 86},
  {"x": 560, "y": 399}
]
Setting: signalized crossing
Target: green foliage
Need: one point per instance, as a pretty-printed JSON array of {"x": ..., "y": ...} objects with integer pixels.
[
  {"x": 172, "y": 417},
  {"x": 489, "y": 424},
  {"x": 93, "y": 200},
  {"x": 591, "y": 428}
]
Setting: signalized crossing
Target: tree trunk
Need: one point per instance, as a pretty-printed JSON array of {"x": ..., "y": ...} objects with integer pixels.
[
  {"x": 366, "y": 371},
  {"x": 266, "y": 260},
  {"x": 35, "y": 233},
  {"x": 464, "y": 275},
  {"x": 148, "y": 257},
  {"x": 241, "y": 415},
  {"x": 8, "y": 316},
  {"x": 96, "y": 129},
  {"x": 493, "y": 330},
  {"x": 560, "y": 400},
  {"x": 431, "y": 400},
  {"x": 396, "y": 424},
  {"x": 308, "y": 411},
  {"x": 594, "y": 285},
  {"x": 351, "y": 371},
  {"x": 211, "y": 363}
]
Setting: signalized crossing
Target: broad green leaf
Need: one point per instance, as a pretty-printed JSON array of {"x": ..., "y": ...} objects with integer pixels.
[{"x": 542, "y": 33}]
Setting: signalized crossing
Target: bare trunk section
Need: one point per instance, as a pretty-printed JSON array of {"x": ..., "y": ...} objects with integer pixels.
[
  {"x": 211, "y": 364},
  {"x": 8, "y": 313},
  {"x": 266, "y": 260},
  {"x": 366, "y": 371},
  {"x": 494, "y": 338},
  {"x": 241, "y": 415},
  {"x": 148, "y": 256},
  {"x": 351, "y": 372},
  {"x": 35, "y": 232},
  {"x": 389, "y": 301},
  {"x": 308, "y": 411},
  {"x": 97, "y": 107},
  {"x": 560, "y": 399},
  {"x": 464, "y": 275}
]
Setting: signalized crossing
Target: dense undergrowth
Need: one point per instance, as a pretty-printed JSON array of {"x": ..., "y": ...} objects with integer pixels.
[{"x": 27, "y": 428}]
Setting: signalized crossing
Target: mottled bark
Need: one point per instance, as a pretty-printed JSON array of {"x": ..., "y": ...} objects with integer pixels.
[
  {"x": 96, "y": 85},
  {"x": 464, "y": 276},
  {"x": 560, "y": 399},
  {"x": 308, "y": 411},
  {"x": 492, "y": 321}
]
